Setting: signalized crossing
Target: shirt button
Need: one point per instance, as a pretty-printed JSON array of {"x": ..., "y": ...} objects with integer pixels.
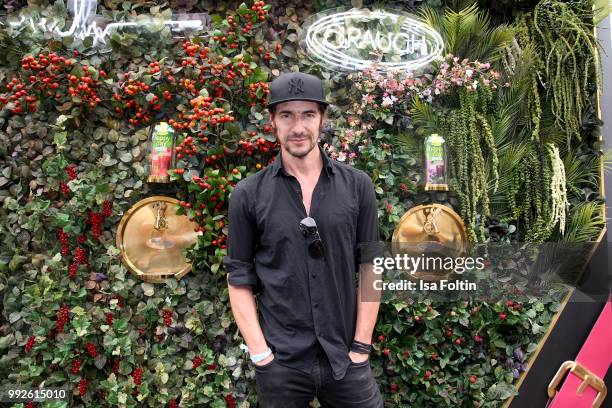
[
  {"x": 316, "y": 305},
  {"x": 314, "y": 275}
]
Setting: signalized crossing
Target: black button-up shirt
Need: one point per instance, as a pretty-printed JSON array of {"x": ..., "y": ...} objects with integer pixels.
[{"x": 306, "y": 304}]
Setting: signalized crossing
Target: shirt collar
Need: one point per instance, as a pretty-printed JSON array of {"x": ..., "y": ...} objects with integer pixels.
[{"x": 328, "y": 164}]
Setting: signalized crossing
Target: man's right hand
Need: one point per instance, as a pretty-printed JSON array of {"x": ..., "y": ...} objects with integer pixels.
[{"x": 265, "y": 360}]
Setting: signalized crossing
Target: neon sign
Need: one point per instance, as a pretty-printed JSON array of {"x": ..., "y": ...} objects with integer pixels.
[
  {"x": 83, "y": 24},
  {"x": 340, "y": 41}
]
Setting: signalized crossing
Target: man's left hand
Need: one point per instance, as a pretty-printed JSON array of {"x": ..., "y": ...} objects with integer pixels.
[{"x": 357, "y": 357}]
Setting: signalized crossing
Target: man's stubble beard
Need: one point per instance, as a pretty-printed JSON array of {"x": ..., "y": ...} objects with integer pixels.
[{"x": 299, "y": 155}]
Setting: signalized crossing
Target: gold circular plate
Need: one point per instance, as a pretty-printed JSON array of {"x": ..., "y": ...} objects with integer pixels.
[
  {"x": 434, "y": 230},
  {"x": 152, "y": 237}
]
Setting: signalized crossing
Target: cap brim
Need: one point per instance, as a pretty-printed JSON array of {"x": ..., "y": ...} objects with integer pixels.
[{"x": 298, "y": 99}]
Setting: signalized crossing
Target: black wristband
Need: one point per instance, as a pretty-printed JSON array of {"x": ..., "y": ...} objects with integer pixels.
[{"x": 360, "y": 348}]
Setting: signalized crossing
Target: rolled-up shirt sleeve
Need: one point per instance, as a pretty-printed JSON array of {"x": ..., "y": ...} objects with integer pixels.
[
  {"x": 239, "y": 261},
  {"x": 368, "y": 237}
]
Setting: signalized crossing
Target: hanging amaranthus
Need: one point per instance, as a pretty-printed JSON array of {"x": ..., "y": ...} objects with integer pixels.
[
  {"x": 528, "y": 49},
  {"x": 558, "y": 190},
  {"x": 567, "y": 49},
  {"x": 537, "y": 195},
  {"x": 469, "y": 137}
]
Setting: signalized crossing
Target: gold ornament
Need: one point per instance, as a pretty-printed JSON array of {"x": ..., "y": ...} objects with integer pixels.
[
  {"x": 152, "y": 237},
  {"x": 432, "y": 230}
]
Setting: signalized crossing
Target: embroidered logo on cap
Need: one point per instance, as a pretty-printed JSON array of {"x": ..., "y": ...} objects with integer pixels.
[{"x": 295, "y": 86}]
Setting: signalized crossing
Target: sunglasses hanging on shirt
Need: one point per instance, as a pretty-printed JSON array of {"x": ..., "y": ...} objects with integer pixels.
[{"x": 309, "y": 229}]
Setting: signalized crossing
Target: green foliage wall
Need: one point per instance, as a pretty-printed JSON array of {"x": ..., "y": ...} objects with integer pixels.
[{"x": 73, "y": 163}]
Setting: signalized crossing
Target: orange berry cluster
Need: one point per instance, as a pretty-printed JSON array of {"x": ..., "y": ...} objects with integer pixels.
[
  {"x": 191, "y": 49},
  {"x": 258, "y": 96},
  {"x": 130, "y": 91}
]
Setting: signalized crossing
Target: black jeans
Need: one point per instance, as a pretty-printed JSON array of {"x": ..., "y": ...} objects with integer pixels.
[{"x": 279, "y": 386}]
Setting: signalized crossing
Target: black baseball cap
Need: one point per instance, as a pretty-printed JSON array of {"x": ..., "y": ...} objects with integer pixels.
[{"x": 297, "y": 86}]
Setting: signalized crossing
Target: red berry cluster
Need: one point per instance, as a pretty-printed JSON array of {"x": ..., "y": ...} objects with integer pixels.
[
  {"x": 76, "y": 366},
  {"x": 107, "y": 209},
  {"x": 81, "y": 239},
  {"x": 394, "y": 387},
  {"x": 196, "y": 362},
  {"x": 109, "y": 318},
  {"x": 229, "y": 399},
  {"x": 513, "y": 305},
  {"x": 82, "y": 387},
  {"x": 62, "y": 318},
  {"x": 30, "y": 405},
  {"x": 478, "y": 339},
  {"x": 154, "y": 67},
  {"x": 71, "y": 172},
  {"x": 65, "y": 189},
  {"x": 167, "y": 318},
  {"x": 116, "y": 366},
  {"x": 30, "y": 344},
  {"x": 213, "y": 158},
  {"x": 84, "y": 87},
  {"x": 72, "y": 270},
  {"x": 80, "y": 256},
  {"x": 202, "y": 182},
  {"x": 262, "y": 145},
  {"x": 137, "y": 375},
  {"x": 172, "y": 403},
  {"x": 95, "y": 220},
  {"x": 44, "y": 74},
  {"x": 91, "y": 349},
  {"x": 186, "y": 147},
  {"x": 63, "y": 237},
  {"x": 258, "y": 7}
]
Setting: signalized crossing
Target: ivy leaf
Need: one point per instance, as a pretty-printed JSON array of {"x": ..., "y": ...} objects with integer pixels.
[
  {"x": 7, "y": 341},
  {"x": 147, "y": 289},
  {"x": 59, "y": 139}
]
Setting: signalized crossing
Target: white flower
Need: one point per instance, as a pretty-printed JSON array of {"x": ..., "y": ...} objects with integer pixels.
[
  {"x": 341, "y": 156},
  {"x": 388, "y": 101},
  {"x": 475, "y": 84},
  {"x": 468, "y": 73}
]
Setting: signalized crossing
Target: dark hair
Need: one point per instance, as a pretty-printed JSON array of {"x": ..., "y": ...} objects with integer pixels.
[{"x": 322, "y": 109}]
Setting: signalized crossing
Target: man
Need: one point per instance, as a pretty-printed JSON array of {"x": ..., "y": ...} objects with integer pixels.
[{"x": 295, "y": 230}]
